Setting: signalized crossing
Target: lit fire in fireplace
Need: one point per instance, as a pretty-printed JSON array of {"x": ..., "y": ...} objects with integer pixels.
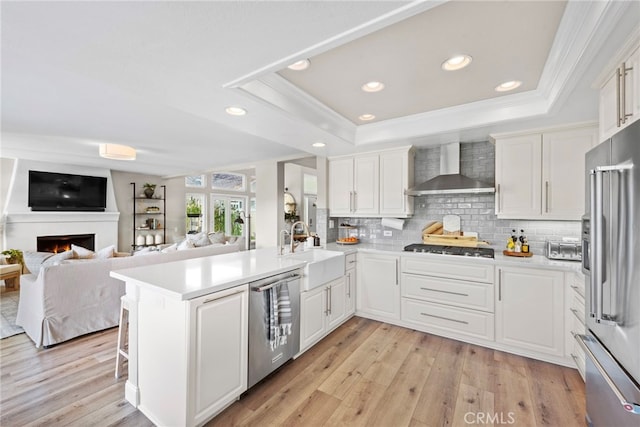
[{"x": 60, "y": 248}]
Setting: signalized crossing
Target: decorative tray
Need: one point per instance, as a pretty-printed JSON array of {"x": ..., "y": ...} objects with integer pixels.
[{"x": 518, "y": 254}]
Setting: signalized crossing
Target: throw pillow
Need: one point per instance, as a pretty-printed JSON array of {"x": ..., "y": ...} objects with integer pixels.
[
  {"x": 171, "y": 248},
  {"x": 105, "y": 253},
  {"x": 143, "y": 251},
  {"x": 82, "y": 253},
  {"x": 199, "y": 239},
  {"x": 217, "y": 237},
  {"x": 58, "y": 258},
  {"x": 186, "y": 244}
]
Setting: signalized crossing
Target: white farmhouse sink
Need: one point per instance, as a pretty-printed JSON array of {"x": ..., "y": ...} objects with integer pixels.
[{"x": 322, "y": 266}]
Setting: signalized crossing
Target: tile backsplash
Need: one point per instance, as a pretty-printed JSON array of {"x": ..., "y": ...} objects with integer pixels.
[{"x": 476, "y": 211}]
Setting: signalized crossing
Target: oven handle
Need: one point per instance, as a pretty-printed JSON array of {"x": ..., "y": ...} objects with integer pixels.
[
  {"x": 276, "y": 282},
  {"x": 634, "y": 408}
]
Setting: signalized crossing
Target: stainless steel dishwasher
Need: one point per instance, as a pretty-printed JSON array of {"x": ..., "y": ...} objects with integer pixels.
[{"x": 262, "y": 359}]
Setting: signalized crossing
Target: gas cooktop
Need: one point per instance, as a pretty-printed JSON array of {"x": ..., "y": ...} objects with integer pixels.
[{"x": 450, "y": 250}]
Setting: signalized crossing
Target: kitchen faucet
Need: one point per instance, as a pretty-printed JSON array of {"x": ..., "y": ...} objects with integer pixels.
[{"x": 293, "y": 226}]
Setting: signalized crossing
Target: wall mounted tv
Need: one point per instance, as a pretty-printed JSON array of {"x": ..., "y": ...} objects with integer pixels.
[{"x": 49, "y": 191}]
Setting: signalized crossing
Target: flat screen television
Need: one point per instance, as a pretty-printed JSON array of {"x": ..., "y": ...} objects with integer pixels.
[{"x": 50, "y": 191}]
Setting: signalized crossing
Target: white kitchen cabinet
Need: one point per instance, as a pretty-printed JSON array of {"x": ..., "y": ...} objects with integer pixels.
[
  {"x": 192, "y": 355},
  {"x": 396, "y": 176},
  {"x": 530, "y": 310},
  {"x": 321, "y": 310},
  {"x": 575, "y": 319},
  {"x": 541, "y": 175},
  {"x": 378, "y": 291},
  {"x": 620, "y": 97},
  {"x": 371, "y": 184},
  {"x": 350, "y": 283},
  {"x": 354, "y": 185}
]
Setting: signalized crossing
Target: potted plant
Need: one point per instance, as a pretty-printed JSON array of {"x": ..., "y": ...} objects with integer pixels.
[
  {"x": 149, "y": 189},
  {"x": 14, "y": 256},
  {"x": 193, "y": 208}
]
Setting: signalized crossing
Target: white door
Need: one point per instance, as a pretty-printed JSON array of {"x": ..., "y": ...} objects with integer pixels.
[
  {"x": 609, "y": 108},
  {"x": 518, "y": 174},
  {"x": 379, "y": 285},
  {"x": 341, "y": 186},
  {"x": 394, "y": 180},
  {"x": 221, "y": 348},
  {"x": 312, "y": 316},
  {"x": 563, "y": 172},
  {"x": 337, "y": 302},
  {"x": 529, "y": 309},
  {"x": 366, "y": 185}
]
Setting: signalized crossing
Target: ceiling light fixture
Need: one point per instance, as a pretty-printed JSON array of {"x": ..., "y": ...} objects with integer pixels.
[
  {"x": 303, "y": 64},
  {"x": 318, "y": 144},
  {"x": 507, "y": 86},
  {"x": 373, "y": 86},
  {"x": 366, "y": 117},
  {"x": 456, "y": 62},
  {"x": 236, "y": 111},
  {"x": 117, "y": 152}
]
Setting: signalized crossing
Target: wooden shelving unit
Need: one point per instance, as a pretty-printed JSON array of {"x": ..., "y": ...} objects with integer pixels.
[{"x": 145, "y": 209}]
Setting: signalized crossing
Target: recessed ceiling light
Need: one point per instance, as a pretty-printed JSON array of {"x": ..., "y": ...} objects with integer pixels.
[
  {"x": 236, "y": 111},
  {"x": 303, "y": 64},
  {"x": 318, "y": 144},
  {"x": 366, "y": 117},
  {"x": 507, "y": 86},
  {"x": 373, "y": 86},
  {"x": 117, "y": 152},
  {"x": 456, "y": 62}
]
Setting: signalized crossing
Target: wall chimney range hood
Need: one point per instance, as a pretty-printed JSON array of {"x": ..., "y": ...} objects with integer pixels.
[{"x": 450, "y": 181}]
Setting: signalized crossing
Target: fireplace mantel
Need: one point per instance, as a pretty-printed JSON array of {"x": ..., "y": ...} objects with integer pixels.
[{"x": 36, "y": 217}]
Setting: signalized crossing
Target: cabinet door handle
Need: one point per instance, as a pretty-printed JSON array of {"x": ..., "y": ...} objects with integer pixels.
[
  {"x": 222, "y": 297},
  {"x": 349, "y": 285},
  {"x": 445, "y": 292},
  {"x": 397, "y": 269},
  {"x": 498, "y": 195},
  {"x": 464, "y": 322},
  {"x": 499, "y": 284},
  {"x": 546, "y": 196},
  {"x": 355, "y": 201},
  {"x": 326, "y": 301},
  {"x": 618, "y": 96},
  {"x": 330, "y": 305},
  {"x": 623, "y": 94}
]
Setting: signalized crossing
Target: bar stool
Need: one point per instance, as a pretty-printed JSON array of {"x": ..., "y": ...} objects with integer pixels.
[{"x": 123, "y": 335}]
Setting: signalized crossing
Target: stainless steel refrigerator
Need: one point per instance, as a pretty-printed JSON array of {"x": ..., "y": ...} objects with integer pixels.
[{"x": 611, "y": 262}]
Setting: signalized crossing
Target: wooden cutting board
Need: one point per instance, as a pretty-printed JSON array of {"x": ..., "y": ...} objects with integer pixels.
[{"x": 450, "y": 240}]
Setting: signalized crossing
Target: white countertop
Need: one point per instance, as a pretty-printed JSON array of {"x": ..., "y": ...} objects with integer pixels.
[
  {"x": 192, "y": 278},
  {"x": 536, "y": 261}
]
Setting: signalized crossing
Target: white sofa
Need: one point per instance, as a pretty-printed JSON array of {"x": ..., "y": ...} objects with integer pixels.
[{"x": 74, "y": 298}]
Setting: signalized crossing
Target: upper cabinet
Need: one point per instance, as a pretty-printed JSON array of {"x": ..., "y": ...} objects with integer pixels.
[
  {"x": 371, "y": 184},
  {"x": 620, "y": 96},
  {"x": 541, "y": 175}
]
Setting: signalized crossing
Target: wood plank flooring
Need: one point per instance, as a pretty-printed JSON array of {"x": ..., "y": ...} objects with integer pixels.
[{"x": 365, "y": 373}]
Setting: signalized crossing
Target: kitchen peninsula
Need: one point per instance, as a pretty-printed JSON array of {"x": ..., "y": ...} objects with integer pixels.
[{"x": 176, "y": 342}]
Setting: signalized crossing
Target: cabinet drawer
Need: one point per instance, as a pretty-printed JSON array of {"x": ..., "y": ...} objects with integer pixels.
[
  {"x": 350, "y": 261},
  {"x": 577, "y": 308},
  {"x": 473, "y": 270},
  {"x": 578, "y": 284},
  {"x": 448, "y": 319},
  {"x": 473, "y": 295}
]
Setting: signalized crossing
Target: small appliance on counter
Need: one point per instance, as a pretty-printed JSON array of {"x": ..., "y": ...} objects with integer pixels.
[{"x": 567, "y": 249}]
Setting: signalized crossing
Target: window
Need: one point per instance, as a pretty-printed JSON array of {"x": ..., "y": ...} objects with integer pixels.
[
  {"x": 226, "y": 210},
  {"x": 228, "y": 181},
  {"x": 195, "y": 210},
  {"x": 195, "y": 181}
]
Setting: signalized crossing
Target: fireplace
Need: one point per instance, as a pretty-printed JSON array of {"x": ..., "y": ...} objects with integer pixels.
[{"x": 63, "y": 243}]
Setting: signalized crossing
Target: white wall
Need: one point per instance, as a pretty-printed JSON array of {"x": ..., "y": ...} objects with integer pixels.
[
  {"x": 269, "y": 203},
  {"x": 23, "y": 226}
]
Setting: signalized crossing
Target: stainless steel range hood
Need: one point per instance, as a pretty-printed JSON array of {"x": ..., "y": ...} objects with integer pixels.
[{"x": 450, "y": 181}]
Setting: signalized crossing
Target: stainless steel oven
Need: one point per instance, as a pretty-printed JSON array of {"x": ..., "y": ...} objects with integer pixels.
[{"x": 263, "y": 358}]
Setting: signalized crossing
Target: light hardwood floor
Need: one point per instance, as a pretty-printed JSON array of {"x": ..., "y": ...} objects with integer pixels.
[{"x": 365, "y": 373}]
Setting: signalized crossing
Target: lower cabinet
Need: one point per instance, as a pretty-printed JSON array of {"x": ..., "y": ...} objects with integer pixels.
[
  {"x": 378, "y": 286},
  {"x": 350, "y": 282},
  {"x": 321, "y": 310},
  {"x": 192, "y": 355},
  {"x": 575, "y": 319},
  {"x": 530, "y": 309},
  {"x": 448, "y": 297}
]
